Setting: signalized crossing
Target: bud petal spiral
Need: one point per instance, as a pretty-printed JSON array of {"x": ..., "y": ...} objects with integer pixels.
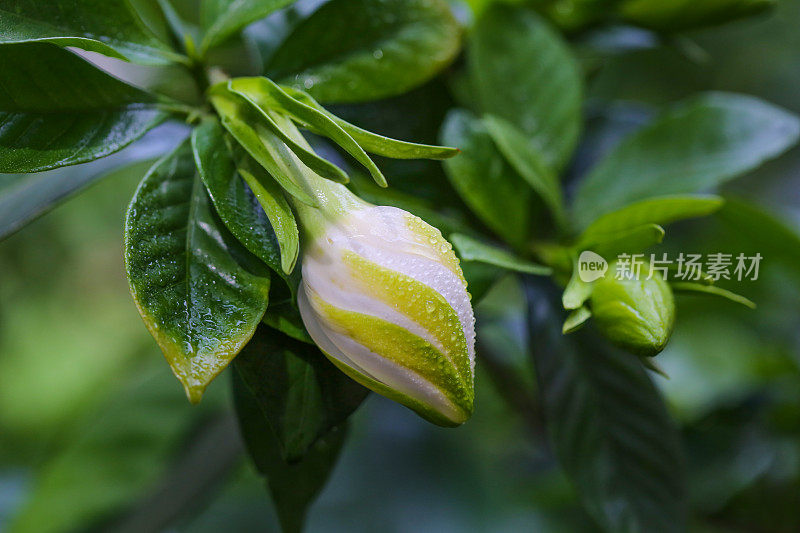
[{"x": 384, "y": 297}]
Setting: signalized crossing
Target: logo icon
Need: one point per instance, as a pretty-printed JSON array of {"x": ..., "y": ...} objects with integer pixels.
[{"x": 591, "y": 266}]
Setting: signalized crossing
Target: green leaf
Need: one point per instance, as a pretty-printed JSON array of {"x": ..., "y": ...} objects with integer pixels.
[
  {"x": 286, "y": 318},
  {"x": 25, "y": 197},
  {"x": 537, "y": 84},
  {"x": 110, "y": 28},
  {"x": 528, "y": 162},
  {"x": 700, "y": 288},
  {"x": 321, "y": 166},
  {"x": 301, "y": 394},
  {"x": 278, "y": 211},
  {"x": 609, "y": 427},
  {"x": 662, "y": 210},
  {"x": 262, "y": 145},
  {"x": 685, "y": 14},
  {"x": 767, "y": 234},
  {"x": 223, "y": 18},
  {"x": 707, "y": 140},
  {"x": 112, "y": 456},
  {"x": 470, "y": 249},
  {"x": 576, "y": 319},
  {"x": 357, "y": 50},
  {"x": 577, "y": 291},
  {"x": 632, "y": 240},
  {"x": 293, "y": 486},
  {"x": 265, "y": 94},
  {"x": 486, "y": 183},
  {"x": 237, "y": 205},
  {"x": 91, "y": 115},
  {"x": 187, "y": 276},
  {"x": 371, "y": 142}
]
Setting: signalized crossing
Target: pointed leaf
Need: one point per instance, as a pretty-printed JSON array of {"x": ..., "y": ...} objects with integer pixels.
[
  {"x": 576, "y": 319},
  {"x": 577, "y": 291},
  {"x": 41, "y": 129},
  {"x": 662, "y": 210},
  {"x": 234, "y": 200},
  {"x": 187, "y": 276},
  {"x": 110, "y": 28},
  {"x": 537, "y": 85},
  {"x": 321, "y": 166},
  {"x": 609, "y": 427},
  {"x": 705, "y": 141},
  {"x": 293, "y": 486},
  {"x": 285, "y": 317},
  {"x": 277, "y": 210},
  {"x": 268, "y": 150},
  {"x": 301, "y": 394},
  {"x": 633, "y": 240},
  {"x": 700, "y": 288},
  {"x": 528, "y": 162},
  {"x": 470, "y": 249},
  {"x": 263, "y": 92},
  {"x": 223, "y": 18},
  {"x": 357, "y": 50},
  {"x": 486, "y": 183},
  {"x": 371, "y": 142}
]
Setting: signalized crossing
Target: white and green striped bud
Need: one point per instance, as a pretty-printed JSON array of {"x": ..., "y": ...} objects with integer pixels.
[{"x": 384, "y": 297}]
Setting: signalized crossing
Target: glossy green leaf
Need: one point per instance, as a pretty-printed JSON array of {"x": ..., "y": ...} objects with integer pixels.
[
  {"x": 576, "y": 319},
  {"x": 151, "y": 17},
  {"x": 91, "y": 116},
  {"x": 358, "y": 50},
  {"x": 371, "y": 142},
  {"x": 737, "y": 133},
  {"x": 678, "y": 15},
  {"x": 528, "y": 162},
  {"x": 470, "y": 249},
  {"x": 321, "y": 166},
  {"x": 609, "y": 427},
  {"x": 301, "y": 394},
  {"x": 286, "y": 318},
  {"x": 632, "y": 240},
  {"x": 537, "y": 84},
  {"x": 186, "y": 273},
  {"x": 278, "y": 211},
  {"x": 110, "y": 28},
  {"x": 662, "y": 210},
  {"x": 237, "y": 205},
  {"x": 711, "y": 290},
  {"x": 264, "y": 93},
  {"x": 267, "y": 149},
  {"x": 293, "y": 486},
  {"x": 112, "y": 456},
  {"x": 486, "y": 183},
  {"x": 223, "y": 18}
]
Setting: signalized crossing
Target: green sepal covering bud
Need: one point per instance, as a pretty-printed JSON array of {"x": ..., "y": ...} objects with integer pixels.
[{"x": 635, "y": 313}]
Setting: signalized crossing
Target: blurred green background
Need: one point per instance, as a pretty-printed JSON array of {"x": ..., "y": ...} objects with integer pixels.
[{"x": 94, "y": 430}]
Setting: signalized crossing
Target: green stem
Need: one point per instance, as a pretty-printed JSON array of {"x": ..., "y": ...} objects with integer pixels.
[{"x": 334, "y": 200}]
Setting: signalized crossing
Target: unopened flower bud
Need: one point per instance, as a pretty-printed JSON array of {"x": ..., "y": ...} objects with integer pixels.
[
  {"x": 635, "y": 313},
  {"x": 384, "y": 297}
]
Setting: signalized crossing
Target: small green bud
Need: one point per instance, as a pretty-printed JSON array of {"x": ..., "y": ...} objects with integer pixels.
[{"x": 635, "y": 314}]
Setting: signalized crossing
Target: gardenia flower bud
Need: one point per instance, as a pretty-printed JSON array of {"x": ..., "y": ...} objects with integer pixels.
[
  {"x": 635, "y": 314},
  {"x": 384, "y": 298}
]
